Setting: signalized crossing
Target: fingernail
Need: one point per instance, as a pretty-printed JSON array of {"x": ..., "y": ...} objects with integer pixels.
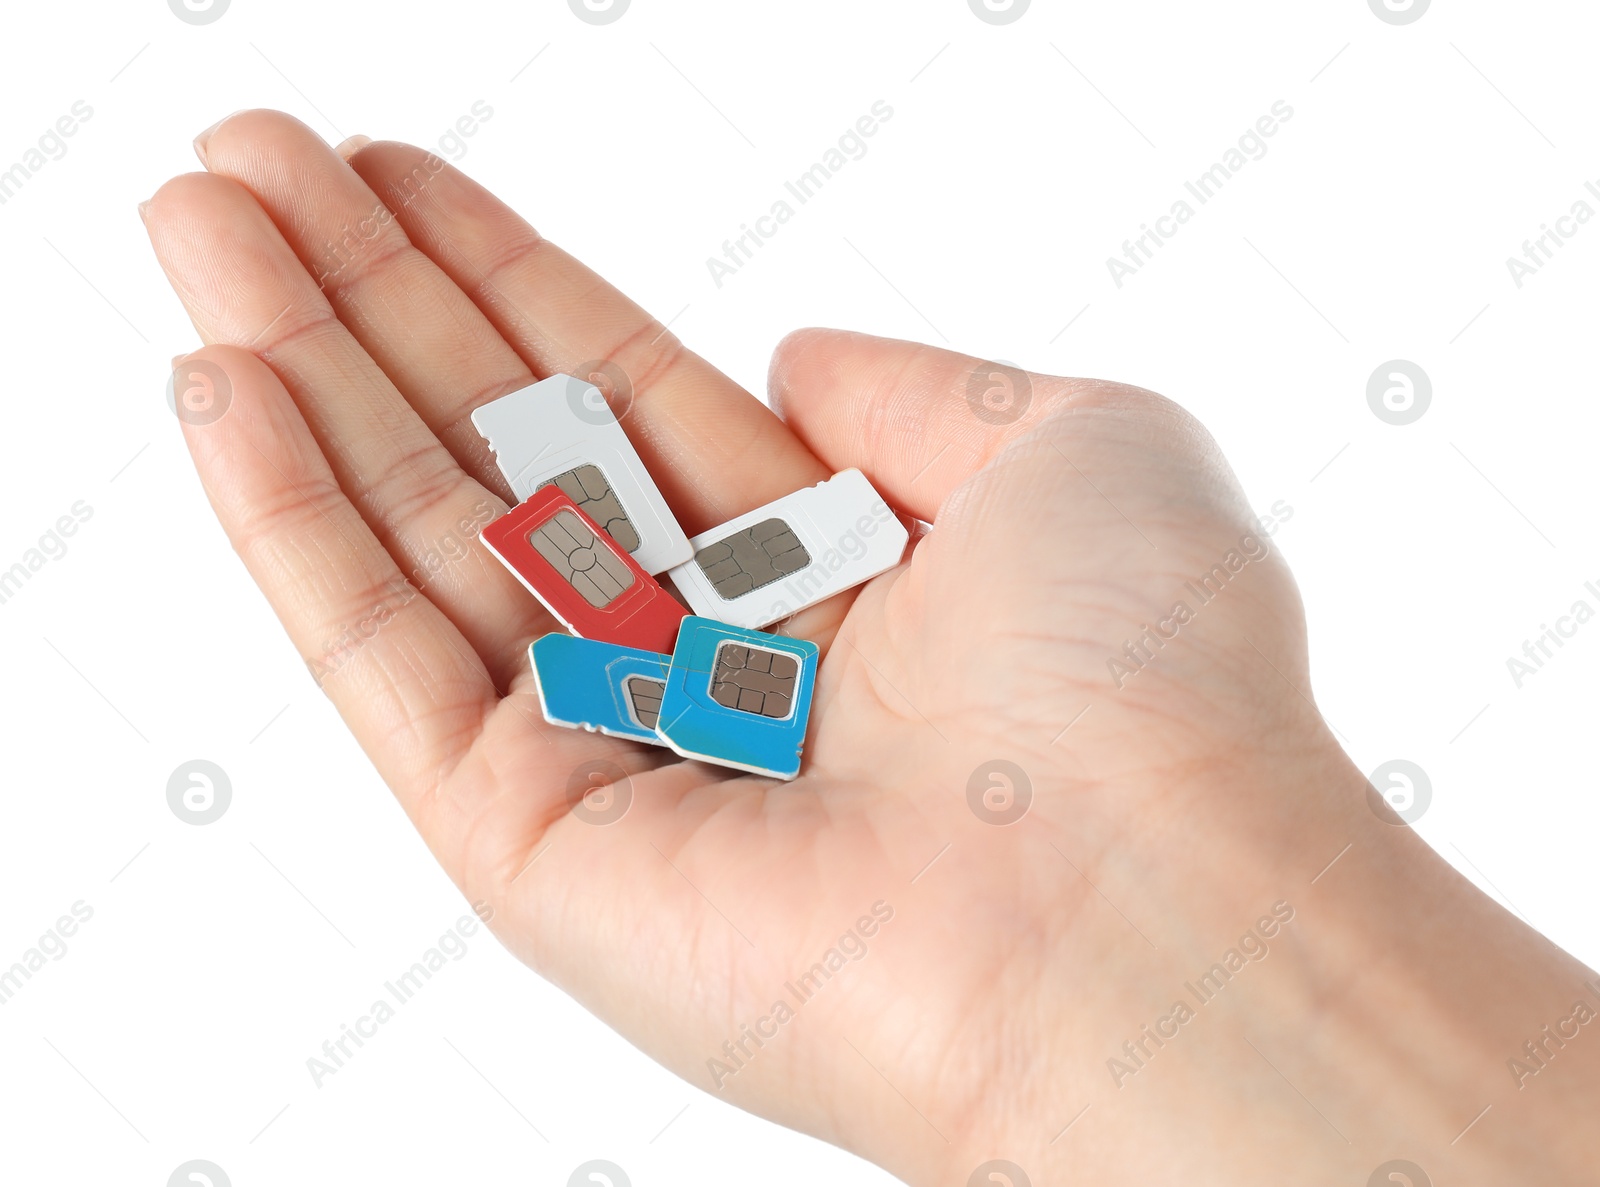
[
  {"x": 353, "y": 145},
  {"x": 178, "y": 358},
  {"x": 204, "y": 138},
  {"x": 144, "y": 212}
]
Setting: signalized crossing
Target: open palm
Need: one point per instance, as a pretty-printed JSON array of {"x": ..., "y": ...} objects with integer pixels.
[{"x": 1004, "y": 818}]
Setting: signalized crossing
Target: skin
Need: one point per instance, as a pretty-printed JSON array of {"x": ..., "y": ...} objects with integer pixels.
[{"x": 1165, "y": 818}]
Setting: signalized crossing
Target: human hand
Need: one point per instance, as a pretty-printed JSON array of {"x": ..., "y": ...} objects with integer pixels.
[{"x": 1174, "y": 795}]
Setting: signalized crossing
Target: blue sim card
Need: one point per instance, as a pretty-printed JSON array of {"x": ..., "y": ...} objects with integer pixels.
[
  {"x": 593, "y": 685},
  {"x": 738, "y": 697}
]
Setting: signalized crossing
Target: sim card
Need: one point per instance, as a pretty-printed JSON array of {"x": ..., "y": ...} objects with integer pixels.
[
  {"x": 597, "y": 686},
  {"x": 582, "y": 575},
  {"x": 561, "y": 431},
  {"x": 738, "y": 698},
  {"x": 805, "y": 547}
]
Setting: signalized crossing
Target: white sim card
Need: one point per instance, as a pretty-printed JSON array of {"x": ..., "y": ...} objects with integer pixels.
[
  {"x": 805, "y": 547},
  {"x": 561, "y": 430}
]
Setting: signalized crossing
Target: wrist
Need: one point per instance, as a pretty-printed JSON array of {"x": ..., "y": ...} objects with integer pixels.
[
  {"x": 1415, "y": 1005},
  {"x": 1319, "y": 993}
]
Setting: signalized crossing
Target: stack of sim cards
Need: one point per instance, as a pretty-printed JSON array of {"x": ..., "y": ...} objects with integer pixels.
[{"x": 591, "y": 535}]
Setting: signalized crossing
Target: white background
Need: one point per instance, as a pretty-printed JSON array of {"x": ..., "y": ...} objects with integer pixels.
[{"x": 1018, "y": 158}]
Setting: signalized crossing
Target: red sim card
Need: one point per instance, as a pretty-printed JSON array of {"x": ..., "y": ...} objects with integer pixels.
[{"x": 593, "y": 586}]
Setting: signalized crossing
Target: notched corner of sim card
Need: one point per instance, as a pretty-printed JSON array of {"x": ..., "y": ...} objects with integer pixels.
[
  {"x": 516, "y": 426},
  {"x": 562, "y": 430},
  {"x": 504, "y": 418},
  {"x": 544, "y": 661},
  {"x": 590, "y": 685}
]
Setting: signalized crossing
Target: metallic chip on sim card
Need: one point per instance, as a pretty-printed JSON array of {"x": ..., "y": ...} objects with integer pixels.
[
  {"x": 752, "y": 558},
  {"x": 792, "y": 553},
  {"x": 754, "y": 680},
  {"x": 587, "y": 487},
  {"x": 561, "y": 431},
  {"x": 586, "y": 564},
  {"x": 643, "y": 697},
  {"x": 737, "y": 697},
  {"x": 582, "y": 575}
]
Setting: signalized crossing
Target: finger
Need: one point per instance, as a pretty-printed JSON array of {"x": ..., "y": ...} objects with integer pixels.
[
  {"x": 351, "y": 145},
  {"x": 243, "y": 286},
  {"x": 714, "y": 449},
  {"x": 1098, "y": 468},
  {"x": 433, "y": 344},
  {"x": 404, "y": 679},
  {"x": 918, "y": 419}
]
